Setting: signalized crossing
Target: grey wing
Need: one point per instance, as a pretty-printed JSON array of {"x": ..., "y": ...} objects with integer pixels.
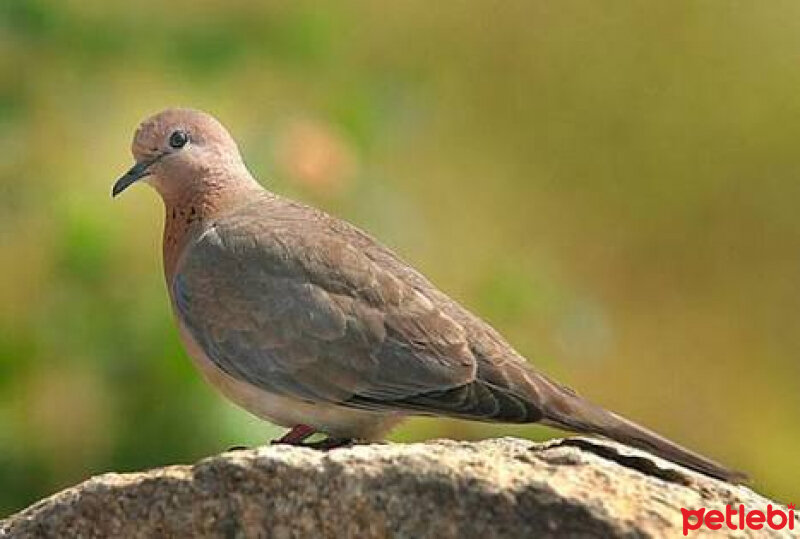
[{"x": 310, "y": 316}]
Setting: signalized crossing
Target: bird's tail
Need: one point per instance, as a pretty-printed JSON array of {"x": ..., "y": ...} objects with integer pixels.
[{"x": 566, "y": 410}]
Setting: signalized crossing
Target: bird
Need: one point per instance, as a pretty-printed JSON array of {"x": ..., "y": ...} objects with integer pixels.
[{"x": 308, "y": 322}]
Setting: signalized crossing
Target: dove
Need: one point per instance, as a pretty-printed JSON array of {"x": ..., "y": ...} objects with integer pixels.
[{"x": 308, "y": 322}]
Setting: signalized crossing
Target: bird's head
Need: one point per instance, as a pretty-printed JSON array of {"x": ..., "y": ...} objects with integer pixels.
[{"x": 181, "y": 149}]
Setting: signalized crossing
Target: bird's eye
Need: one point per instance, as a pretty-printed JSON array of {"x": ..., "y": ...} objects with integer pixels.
[{"x": 178, "y": 139}]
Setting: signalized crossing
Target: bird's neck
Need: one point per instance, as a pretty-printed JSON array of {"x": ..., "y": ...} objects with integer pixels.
[{"x": 187, "y": 215}]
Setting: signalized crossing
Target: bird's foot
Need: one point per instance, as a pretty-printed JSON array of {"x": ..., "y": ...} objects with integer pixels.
[
  {"x": 296, "y": 436},
  {"x": 330, "y": 443}
]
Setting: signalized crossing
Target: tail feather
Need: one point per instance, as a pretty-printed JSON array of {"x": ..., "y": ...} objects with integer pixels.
[{"x": 565, "y": 409}]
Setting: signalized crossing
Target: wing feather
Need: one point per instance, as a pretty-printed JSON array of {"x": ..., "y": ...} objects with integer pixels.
[{"x": 304, "y": 313}]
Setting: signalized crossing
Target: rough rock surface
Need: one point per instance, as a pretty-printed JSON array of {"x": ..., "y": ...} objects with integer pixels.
[{"x": 496, "y": 488}]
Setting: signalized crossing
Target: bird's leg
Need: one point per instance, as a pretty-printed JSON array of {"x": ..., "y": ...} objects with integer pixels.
[
  {"x": 330, "y": 443},
  {"x": 296, "y": 436}
]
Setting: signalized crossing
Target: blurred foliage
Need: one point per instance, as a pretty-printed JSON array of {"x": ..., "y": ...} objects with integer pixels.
[{"x": 614, "y": 185}]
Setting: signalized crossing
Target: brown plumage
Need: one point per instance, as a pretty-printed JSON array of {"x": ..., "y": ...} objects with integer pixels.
[{"x": 307, "y": 321}]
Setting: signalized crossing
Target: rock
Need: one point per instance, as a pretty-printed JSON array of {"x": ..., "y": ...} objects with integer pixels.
[{"x": 496, "y": 488}]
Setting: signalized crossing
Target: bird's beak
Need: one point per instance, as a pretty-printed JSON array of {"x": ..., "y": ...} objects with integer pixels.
[{"x": 137, "y": 172}]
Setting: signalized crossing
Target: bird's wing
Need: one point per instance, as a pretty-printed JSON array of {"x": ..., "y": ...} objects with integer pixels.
[{"x": 293, "y": 308}]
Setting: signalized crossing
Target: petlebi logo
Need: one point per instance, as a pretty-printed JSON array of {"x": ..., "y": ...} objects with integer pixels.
[{"x": 739, "y": 518}]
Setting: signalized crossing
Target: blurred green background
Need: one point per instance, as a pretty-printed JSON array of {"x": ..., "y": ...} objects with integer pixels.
[{"x": 614, "y": 185}]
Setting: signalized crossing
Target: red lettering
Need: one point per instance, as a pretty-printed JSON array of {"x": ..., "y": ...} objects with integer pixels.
[
  {"x": 697, "y": 513},
  {"x": 775, "y": 517},
  {"x": 729, "y": 512},
  {"x": 755, "y": 519},
  {"x": 776, "y": 513},
  {"x": 714, "y": 519}
]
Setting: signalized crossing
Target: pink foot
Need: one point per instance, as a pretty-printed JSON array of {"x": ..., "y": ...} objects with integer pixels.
[{"x": 296, "y": 436}]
